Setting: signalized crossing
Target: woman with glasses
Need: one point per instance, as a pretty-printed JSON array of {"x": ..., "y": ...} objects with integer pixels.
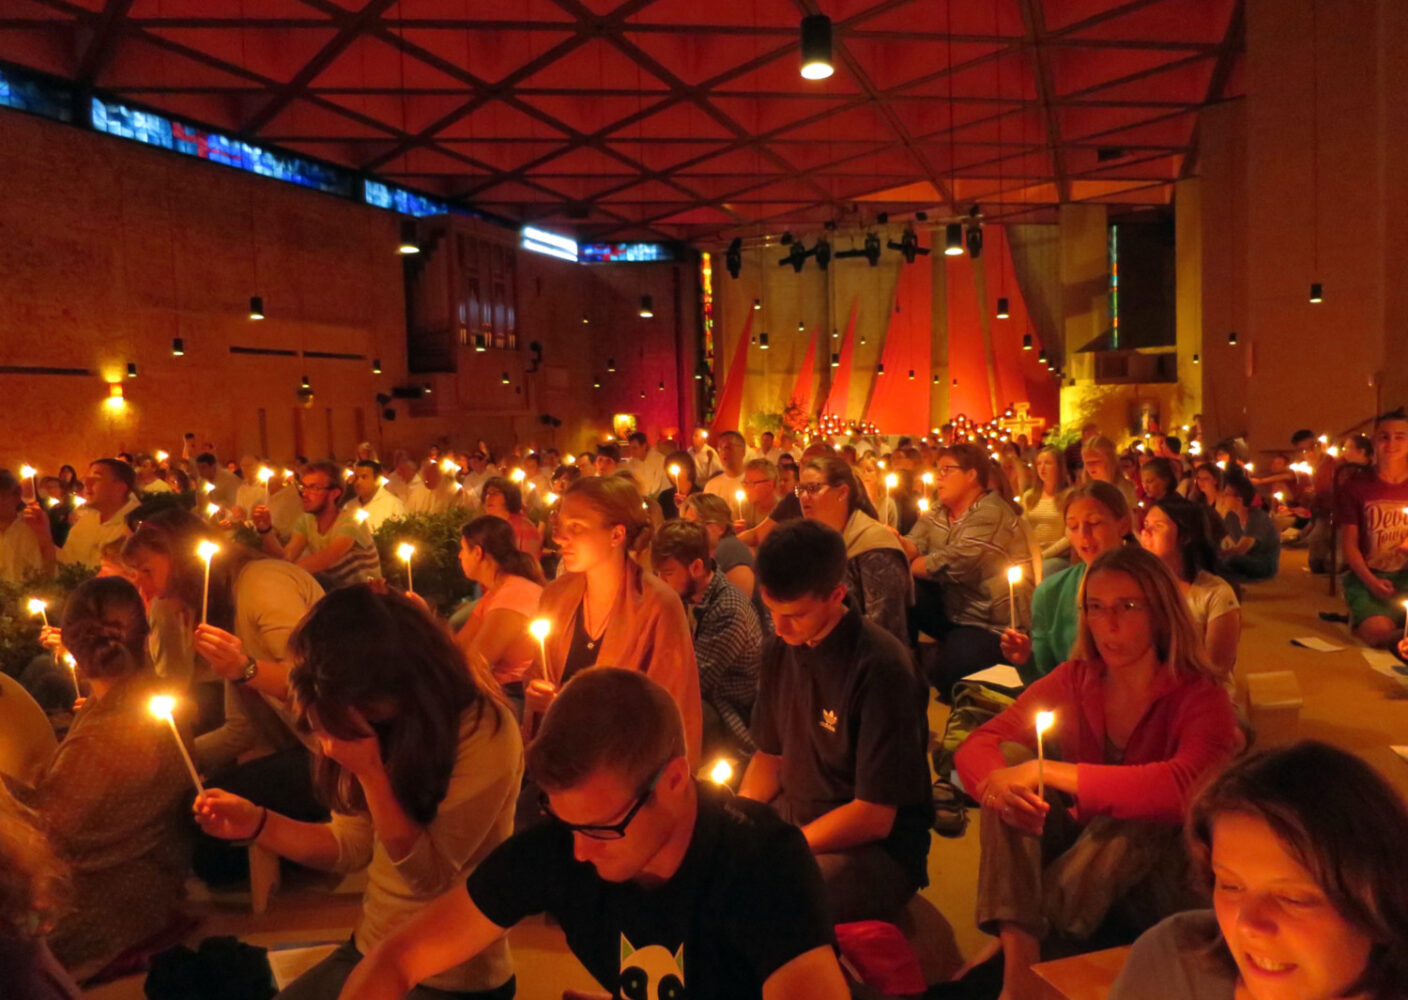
[
  {"x": 1097, "y": 521},
  {"x": 420, "y": 763},
  {"x": 1174, "y": 530},
  {"x": 877, "y": 569},
  {"x": 605, "y": 610},
  {"x": 1138, "y": 719}
]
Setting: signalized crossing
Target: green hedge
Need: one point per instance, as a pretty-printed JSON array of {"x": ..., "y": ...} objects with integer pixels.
[
  {"x": 436, "y": 569},
  {"x": 19, "y": 630}
]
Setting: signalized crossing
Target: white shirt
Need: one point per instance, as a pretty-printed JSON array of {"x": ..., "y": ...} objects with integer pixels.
[
  {"x": 424, "y": 500},
  {"x": 155, "y": 486},
  {"x": 650, "y": 471},
  {"x": 90, "y": 534},
  {"x": 706, "y": 463},
  {"x": 382, "y": 507},
  {"x": 285, "y": 507},
  {"x": 247, "y": 497},
  {"x": 19, "y": 552},
  {"x": 397, "y": 487},
  {"x": 726, "y": 486}
]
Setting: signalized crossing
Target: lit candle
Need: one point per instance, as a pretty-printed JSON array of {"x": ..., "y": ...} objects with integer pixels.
[
  {"x": 539, "y": 628},
  {"x": 73, "y": 672},
  {"x": 37, "y": 606},
  {"x": 206, "y": 550},
  {"x": 518, "y": 475},
  {"x": 927, "y": 479},
  {"x": 738, "y": 496},
  {"x": 265, "y": 474},
  {"x": 78, "y": 501},
  {"x": 212, "y": 508},
  {"x": 161, "y": 706},
  {"x": 1043, "y": 723},
  {"x": 162, "y": 456},
  {"x": 569, "y": 460},
  {"x": 923, "y": 505},
  {"x": 207, "y": 486},
  {"x": 448, "y": 466},
  {"x": 1014, "y": 574},
  {"x": 362, "y": 516},
  {"x": 406, "y": 550},
  {"x": 722, "y": 772},
  {"x": 891, "y": 481},
  {"x": 551, "y": 499},
  {"x": 1280, "y": 497},
  {"x": 32, "y": 474}
]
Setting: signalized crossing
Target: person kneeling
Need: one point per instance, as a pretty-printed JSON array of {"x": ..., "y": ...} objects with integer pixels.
[
  {"x": 1139, "y": 718},
  {"x": 661, "y": 885},
  {"x": 841, "y": 729}
]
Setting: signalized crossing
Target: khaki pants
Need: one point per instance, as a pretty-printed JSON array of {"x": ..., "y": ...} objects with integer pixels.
[{"x": 1069, "y": 879}]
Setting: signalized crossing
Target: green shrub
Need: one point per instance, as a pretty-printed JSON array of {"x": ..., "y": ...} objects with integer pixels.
[
  {"x": 19, "y": 630},
  {"x": 435, "y": 570}
]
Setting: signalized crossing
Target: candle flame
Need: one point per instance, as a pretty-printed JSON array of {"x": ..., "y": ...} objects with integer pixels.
[
  {"x": 78, "y": 501},
  {"x": 1044, "y": 721},
  {"x": 927, "y": 479},
  {"x": 207, "y": 549},
  {"x": 518, "y": 475},
  {"x": 739, "y": 495},
  {"x": 162, "y": 456},
  {"x": 449, "y": 466},
  {"x": 540, "y": 627},
  {"x": 721, "y": 773},
  {"x": 362, "y": 516},
  {"x": 265, "y": 474},
  {"x": 1014, "y": 574},
  {"x": 551, "y": 498},
  {"x": 1332, "y": 451},
  {"x": 162, "y": 705},
  {"x": 406, "y": 550},
  {"x": 674, "y": 471},
  {"x": 28, "y": 472},
  {"x": 212, "y": 509},
  {"x": 923, "y": 505},
  {"x": 37, "y": 605},
  {"x": 891, "y": 481}
]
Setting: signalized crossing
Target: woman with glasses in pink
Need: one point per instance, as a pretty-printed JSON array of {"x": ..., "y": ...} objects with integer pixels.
[{"x": 1089, "y": 836}]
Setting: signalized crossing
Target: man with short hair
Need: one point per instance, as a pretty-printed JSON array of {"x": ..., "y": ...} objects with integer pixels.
[
  {"x": 767, "y": 448},
  {"x": 841, "y": 729},
  {"x": 435, "y": 490},
  {"x": 727, "y": 634},
  {"x": 108, "y": 499},
  {"x": 959, "y": 554},
  {"x": 663, "y": 887},
  {"x": 326, "y": 541},
  {"x": 1313, "y": 497},
  {"x": 647, "y": 463},
  {"x": 372, "y": 496},
  {"x": 224, "y": 485},
  {"x": 608, "y": 459},
  {"x": 759, "y": 493},
  {"x": 19, "y": 548},
  {"x": 1370, "y": 510},
  {"x": 149, "y": 480},
  {"x": 732, "y": 452},
  {"x": 706, "y": 459}
]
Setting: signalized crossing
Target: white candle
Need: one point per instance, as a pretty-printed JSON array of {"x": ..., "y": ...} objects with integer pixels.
[
  {"x": 738, "y": 496},
  {"x": 161, "y": 706},
  {"x": 37, "y": 606},
  {"x": 1014, "y": 574},
  {"x": 1043, "y": 723},
  {"x": 540, "y": 627},
  {"x": 206, "y": 550},
  {"x": 265, "y": 474},
  {"x": 73, "y": 672},
  {"x": 923, "y": 505},
  {"x": 406, "y": 550},
  {"x": 722, "y": 772},
  {"x": 32, "y": 474},
  {"x": 362, "y": 516}
]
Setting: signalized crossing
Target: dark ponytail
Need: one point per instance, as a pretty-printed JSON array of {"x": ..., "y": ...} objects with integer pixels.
[
  {"x": 495, "y": 536},
  {"x": 105, "y": 628}
]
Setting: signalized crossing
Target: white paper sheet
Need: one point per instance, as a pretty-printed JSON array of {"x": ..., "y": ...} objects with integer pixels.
[
  {"x": 1001, "y": 675},
  {"x": 1401, "y": 751},
  {"x": 1317, "y": 644},
  {"x": 1384, "y": 662},
  {"x": 291, "y": 961}
]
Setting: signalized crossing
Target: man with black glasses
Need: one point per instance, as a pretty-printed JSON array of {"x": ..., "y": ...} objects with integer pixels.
[
  {"x": 327, "y": 541},
  {"x": 663, "y": 887}
]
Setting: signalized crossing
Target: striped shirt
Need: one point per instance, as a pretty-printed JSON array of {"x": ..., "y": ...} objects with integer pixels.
[
  {"x": 727, "y": 642},
  {"x": 360, "y": 563}
]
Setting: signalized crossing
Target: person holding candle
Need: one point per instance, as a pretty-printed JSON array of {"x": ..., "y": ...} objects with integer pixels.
[
  {"x": 1141, "y": 718},
  {"x": 960, "y": 553},
  {"x": 730, "y": 556},
  {"x": 419, "y": 761},
  {"x": 873, "y": 480},
  {"x": 760, "y": 494},
  {"x": 109, "y": 498},
  {"x": 1374, "y": 537},
  {"x": 371, "y": 496},
  {"x": 20, "y": 555},
  {"x": 512, "y": 582},
  {"x": 732, "y": 451},
  {"x": 255, "y": 602},
  {"x": 111, "y": 797},
  {"x": 1305, "y": 906},
  {"x": 683, "y": 482},
  {"x": 606, "y": 610},
  {"x": 326, "y": 541},
  {"x": 1097, "y": 520}
]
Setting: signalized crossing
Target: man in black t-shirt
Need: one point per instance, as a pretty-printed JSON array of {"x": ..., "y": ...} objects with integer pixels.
[
  {"x": 841, "y": 730},
  {"x": 664, "y": 889}
]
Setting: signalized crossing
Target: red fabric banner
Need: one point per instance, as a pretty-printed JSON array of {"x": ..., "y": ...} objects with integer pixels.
[
  {"x": 838, "y": 398},
  {"x": 899, "y": 397},
  {"x": 730, "y": 408}
]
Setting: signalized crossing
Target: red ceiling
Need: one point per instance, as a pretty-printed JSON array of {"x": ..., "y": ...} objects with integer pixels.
[{"x": 671, "y": 117}]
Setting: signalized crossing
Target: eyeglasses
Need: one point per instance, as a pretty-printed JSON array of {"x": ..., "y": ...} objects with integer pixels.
[
  {"x": 607, "y": 831},
  {"x": 944, "y": 470},
  {"x": 308, "y": 488},
  {"x": 810, "y": 489},
  {"x": 758, "y": 482},
  {"x": 1114, "y": 611}
]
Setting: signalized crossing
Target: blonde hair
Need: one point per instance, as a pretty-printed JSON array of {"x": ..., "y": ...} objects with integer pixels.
[
  {"x": 1177, "y": 643},
  {"x": 1063, "y": 482},
  {"x": 1106, "y": 447}
]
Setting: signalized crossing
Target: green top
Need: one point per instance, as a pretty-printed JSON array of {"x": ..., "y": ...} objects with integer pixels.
[{"x": 1054, "y": 622}]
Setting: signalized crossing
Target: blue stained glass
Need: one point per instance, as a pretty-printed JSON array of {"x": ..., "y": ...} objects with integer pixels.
[
  {"x": 49, "y": 100},
  {"x": 397, "y": 199}
]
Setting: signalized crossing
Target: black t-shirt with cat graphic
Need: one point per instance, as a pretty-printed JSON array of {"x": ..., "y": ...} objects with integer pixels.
[{"x": 746, "y": 900}]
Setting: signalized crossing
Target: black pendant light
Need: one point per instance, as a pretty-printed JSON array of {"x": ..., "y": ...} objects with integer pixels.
[
  {"x": 763, "y": 341},
  {"x": 408, "y": 244},
  {"x": 647, "y": 307},
  {"x": 611, "y": 365},
  {"x": 1317, "y": 292},
  {"x": 504, "y": 378},
  {"x": 1232, "y": 339},
  {"x": 816, "y": 47},
  {"x": 256, "y": 307},
  {"x": 953, "y": 239},
  {"x": 835, "y": 359},
  {"x": 376, "y": 366},
  {"x": 1003, "y": 312},
  {"x": 131, "y": 369},
  {"x": 1026, "y": 341},
  {"x": 178, "y": 347}
]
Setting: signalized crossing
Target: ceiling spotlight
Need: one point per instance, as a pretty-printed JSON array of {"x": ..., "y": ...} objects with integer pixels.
[
  {"x": 822, "y": 253},
  {"x": 480, "y": 343},
  {"x": 911, "y": 374},
  {"x": 763, "y": 341},
  {"x": 936, "y": 380},
  {"x": 1196, "y": 359},
  {"x": 733, "y": 257},
  {"x": 504, "y": 378},
  {"x": 835, "y": 359},
  {"x": 131, "y": 369},
  {"x": 376, "y": 366},
  {"x": 801, "y": 327},
  {"x": 787, "y": 238},
  {"x": 1041, "y": 358},
  {"x": 757, "y": 304},
  {"x": 426, "y": 389},
  {"x": 796, "y": 256},
  {"x": 1232, "y": 339},
  {"x": 408, "y": 244},
  {"x": 178, "y": 347},
  {"x": 880, "y": 368},
  {"x": 1317, "y": 292},
  {"x": 661, "y": 386},
  {"x": 596, "y": 383},
  {"x": 256, "y": 307},
  {"x": 611, "y": 365},
  {"x": 647, "y": 307},
  {"x": 816, "y": 47},
  {"x": 908, "y": 246},
  {"x": 305, "y": 384},
  {"x": 1003, "y": 312},
  {"x": 1026, "y": 341},
  {"x": 953, "y": 239},
  {"x": 585, "y": 321}
]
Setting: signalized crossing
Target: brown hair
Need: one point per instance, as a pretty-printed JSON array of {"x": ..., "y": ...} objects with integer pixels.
[
  {"x": 682, "y": 541},
  {"x": 174, "y": 534},
  {"x": 1177, "y": 643},
  {"x": 617, "y": 502},
  {"x": 1103, "y": 493},
  {"x": 970, "y": 456},
  {"x": 33, "y": 881},
  {"x": 105, "y": 627},
  {"x": 1344, "y": 824},
  {"x": 835, "y": 472},
  {"x": 711, "y": 508},
  {"x": 364, "y": 651},
  {"x": 1033, "y": 496},
  {"x": 606, "y": 718},
  {"x": 495, "y": 536}
]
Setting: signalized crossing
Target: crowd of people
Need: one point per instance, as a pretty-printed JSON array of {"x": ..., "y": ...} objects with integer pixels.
[{"x": 653, "y": 625}]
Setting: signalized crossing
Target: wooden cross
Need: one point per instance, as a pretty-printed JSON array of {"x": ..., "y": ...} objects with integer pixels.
[{"x": 1022, "y": 423}]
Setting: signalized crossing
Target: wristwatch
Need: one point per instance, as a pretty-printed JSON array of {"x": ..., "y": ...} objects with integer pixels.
[{"x": 251, "y": 667}]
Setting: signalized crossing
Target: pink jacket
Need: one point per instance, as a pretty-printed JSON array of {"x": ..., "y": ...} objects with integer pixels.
[
  {"x": 1187, "y": 734},
  {"x": 647, "y": 631}
]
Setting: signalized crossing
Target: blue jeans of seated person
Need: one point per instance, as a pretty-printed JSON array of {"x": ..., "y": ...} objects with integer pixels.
[
  {"x": 965, "y": 649},
  {"x": 324, "y": 981}
]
